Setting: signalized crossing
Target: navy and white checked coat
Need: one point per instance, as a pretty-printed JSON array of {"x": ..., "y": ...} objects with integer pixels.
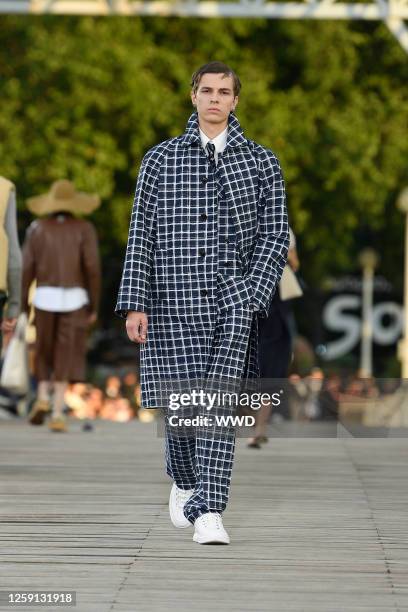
[{"x": 172, "y": 268}]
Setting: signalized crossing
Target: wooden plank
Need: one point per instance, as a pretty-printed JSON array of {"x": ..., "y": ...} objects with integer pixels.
[{"x": 316, "y": 524}]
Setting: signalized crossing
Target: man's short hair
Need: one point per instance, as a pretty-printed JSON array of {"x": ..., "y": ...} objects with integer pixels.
[{"x": 215, "y": 68}]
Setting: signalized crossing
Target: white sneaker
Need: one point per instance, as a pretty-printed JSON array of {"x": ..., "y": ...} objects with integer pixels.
[
  {"x": 210, "y": 530},
  {"x": 178, "y": 498}
]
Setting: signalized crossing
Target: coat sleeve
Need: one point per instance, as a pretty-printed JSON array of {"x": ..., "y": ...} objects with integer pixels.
[
  {"x": 134, "y": 290},
  {"x": 29, "y": 268},
  {"x": 14, "y": 269},
  {"x": 271, "y": 248},
  {"x": 91, "y": 263}
]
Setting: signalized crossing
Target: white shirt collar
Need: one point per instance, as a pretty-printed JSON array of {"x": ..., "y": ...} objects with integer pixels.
[{"x": 219, "y": 141}]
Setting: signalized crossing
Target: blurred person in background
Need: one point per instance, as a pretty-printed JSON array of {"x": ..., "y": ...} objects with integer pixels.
[
  {"x": 118, "y": 409},
  {"x": 94, "y": 403},
  {"x": 329, "y": 398},
  {"x": 130, "y": 386},
  {"x": 61, "y": 255},
  {"x": 276, "y": 335},
  {"x": 315, "y": 396},
  {"x": 10, "y": 277},
  {"x": 113, "y": 387},
  {"x": 76, "y": 400},
  {"x": 314, "y": 383}
]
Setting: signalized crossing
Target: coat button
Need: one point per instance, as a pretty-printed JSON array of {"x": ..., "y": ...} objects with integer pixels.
[
  {"x": 201, "y": 252},
  {"x": 204, "y": 180},
  {"x": 203, "y": 217},
  {"x": 204, "y": 292}
]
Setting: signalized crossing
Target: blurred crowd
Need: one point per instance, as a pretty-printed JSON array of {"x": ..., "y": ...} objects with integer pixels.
[
  {"x": 54, "y": 299},
  {"x": 117, "y": 400},
  {"x": 311, "y": 398},
  {"x": 322, "y": 397}
]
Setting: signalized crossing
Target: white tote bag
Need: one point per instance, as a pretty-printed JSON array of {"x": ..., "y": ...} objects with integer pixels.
[
  {"x": 289, "y": 287},
  {"x": 14, "y": 374}
]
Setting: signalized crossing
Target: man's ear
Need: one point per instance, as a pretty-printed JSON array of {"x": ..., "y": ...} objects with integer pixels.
[
  {"x": 235, "y": 103},
  {"x": 193, "y": 98}
]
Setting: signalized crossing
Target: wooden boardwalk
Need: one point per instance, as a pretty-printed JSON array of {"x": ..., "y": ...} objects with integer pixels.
[{"x": 316, "y": 525}]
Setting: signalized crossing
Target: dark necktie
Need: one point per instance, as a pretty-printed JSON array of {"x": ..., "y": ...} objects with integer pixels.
[{"x": 210, "y": 151}]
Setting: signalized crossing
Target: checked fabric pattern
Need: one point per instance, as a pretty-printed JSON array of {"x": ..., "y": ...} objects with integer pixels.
[
  {"x": 203, "y": 460},
  {"x": 206, "y": 249},
  {"x": 167, "y": 229},
  {"x": 174, "y": 265}
]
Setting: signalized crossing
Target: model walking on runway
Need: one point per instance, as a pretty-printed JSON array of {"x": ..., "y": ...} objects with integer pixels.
[{"x": 208, "y": 241}]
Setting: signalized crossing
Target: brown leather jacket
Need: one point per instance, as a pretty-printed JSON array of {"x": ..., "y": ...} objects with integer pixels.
[{"x": 62, "y": 252}]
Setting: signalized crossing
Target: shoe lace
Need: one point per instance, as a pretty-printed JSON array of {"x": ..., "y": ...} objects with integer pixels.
[{"x": 214, "y": 518}]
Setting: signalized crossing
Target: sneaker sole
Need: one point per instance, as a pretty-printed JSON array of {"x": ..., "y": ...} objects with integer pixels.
[{"x": 197, "y": 539}]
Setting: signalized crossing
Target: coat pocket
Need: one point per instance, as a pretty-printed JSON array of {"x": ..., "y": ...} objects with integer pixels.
[
  {"x": 171, "y": 281},
  {"x": 233, "y": 291}
]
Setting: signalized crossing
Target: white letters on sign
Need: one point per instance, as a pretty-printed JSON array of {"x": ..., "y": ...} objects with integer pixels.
[{"x": 342, "y": 314}]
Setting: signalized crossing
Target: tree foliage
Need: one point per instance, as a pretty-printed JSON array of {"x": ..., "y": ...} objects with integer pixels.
[{"x": 85, "y": 97}]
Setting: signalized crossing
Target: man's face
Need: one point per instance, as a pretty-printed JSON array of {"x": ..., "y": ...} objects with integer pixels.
[{"x": 215, "y": 98}]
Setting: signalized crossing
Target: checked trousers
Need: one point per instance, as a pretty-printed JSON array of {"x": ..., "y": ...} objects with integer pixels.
[{"x": 203, "y": 460}]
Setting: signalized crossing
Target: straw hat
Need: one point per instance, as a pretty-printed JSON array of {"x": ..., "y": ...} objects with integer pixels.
[{"x": 63, "y": 197}]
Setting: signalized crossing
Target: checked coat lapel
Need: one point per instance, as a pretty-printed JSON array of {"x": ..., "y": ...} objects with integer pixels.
[{"x": 232, "y": 181}]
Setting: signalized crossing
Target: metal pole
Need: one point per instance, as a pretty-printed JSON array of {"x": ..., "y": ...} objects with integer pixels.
[
  {"x": 368, "y": 260},
  {"x": 366, "y": 359},
  {"x": 404, "y": 355},
  {"x": 402, "y": 204}
]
